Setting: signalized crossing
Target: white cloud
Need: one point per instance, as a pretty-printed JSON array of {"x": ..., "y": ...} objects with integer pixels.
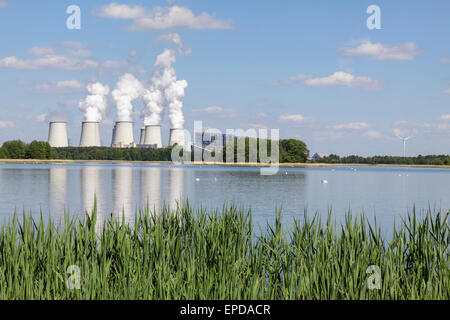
[
  {"x": 42, "y": 117},
  {"x": 378, "y": 51},
  {"x": 345, "y": 80},
  {"x": 133, "y": 53},
  {"x": 262, "y": 115},
  {"x": 41, "y": 51},
  {"x": 217, "y": 110},
  {"x": 77, "y": 49},
  {"x": 374, "y": 134},
  {"x": 257, "y": 126},
  {"x": 50, "y": 61},
  {"x": 291, "y": 80},
  {"x": 3, "y": 4},
  {"x": 405, "y": 132},
  {"x": 352, "y": 126},
  {"x": 213, "y": 109},
  {"x": 445, "y": 117},
  {"x": 72, "y": 84},
  {"x": 176, "y": 39},
  {"x": 6, "y": 124},
  {"x": 447, "y": 91},
  {"x": 59, "y": 86},
  {"x": 159, "y": 18},
  {"x": 292, "y": 117},
  {"x": 445, "y": 60},
  {"x": 340, "y": 78},
  {"x": 401, "y": 122}
]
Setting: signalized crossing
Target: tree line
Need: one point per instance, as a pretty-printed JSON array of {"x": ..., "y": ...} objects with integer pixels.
[
  {"x": 289, "y": 151},
  {"x": 17, "y": 149},
  {"x": 436, "y": 160}
]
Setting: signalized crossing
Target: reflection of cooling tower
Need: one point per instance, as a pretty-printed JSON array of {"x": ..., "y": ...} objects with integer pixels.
[
  {"x": 123, "y": 134},
  {"x": 90, "y": 190},
  {"x": 151, "y": 188},
  {"x": 89, "y": 187},
  {"x": 57, "y": 135},
  {"x": 142, "y": 139},
  {"x": 90, "y": 135},
  {"x": 176, "y": 137},
  {"x": 123, "y": 192},
  {"x": 57, "y": 182},
  {"x": 153, "y": 136},
  {"x": 176, "y": 185}
]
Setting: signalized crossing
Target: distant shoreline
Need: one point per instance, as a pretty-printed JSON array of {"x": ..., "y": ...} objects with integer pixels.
[
  {"x": 281, "y": 165},
  {"x": 318, "y": 165}
]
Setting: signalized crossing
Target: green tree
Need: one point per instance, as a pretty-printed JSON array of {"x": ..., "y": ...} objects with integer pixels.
[
  {"x": 14, "y": 149},
  {"x": 2, "y": 154},
  {"x": 38, "y": 150},
  {"x": 292, "y": 150}
]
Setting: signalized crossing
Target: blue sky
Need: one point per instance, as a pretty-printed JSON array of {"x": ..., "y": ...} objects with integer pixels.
[{"x": 309, "y": 68}]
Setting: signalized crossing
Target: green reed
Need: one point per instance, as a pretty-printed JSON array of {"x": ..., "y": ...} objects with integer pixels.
[{"x": 192, "y": 253}]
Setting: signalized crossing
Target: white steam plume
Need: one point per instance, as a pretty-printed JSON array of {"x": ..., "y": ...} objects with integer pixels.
[
  {"x": 164, "y": 88},
  {"x": 128, "y": 89},
  {"x": 174, "y": 95},
  {"x": 94, "y": 106}
]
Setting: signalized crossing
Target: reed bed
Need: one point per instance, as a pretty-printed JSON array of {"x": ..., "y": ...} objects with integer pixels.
[{"x": 197, "y": 254}]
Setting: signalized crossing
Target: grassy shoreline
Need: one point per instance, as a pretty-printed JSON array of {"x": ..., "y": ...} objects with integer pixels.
[
  {"x": 258, "y": 165},
  {"x": 195, "y": 254}
]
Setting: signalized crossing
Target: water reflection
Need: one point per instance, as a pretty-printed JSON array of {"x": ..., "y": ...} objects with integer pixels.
[
  {"x": 176, "y": 182},
  {"x": 57, "y": 182},
  {"x": 385, "y": 192},
  {"x": 151, "y": 188},
  {"x": 90, "y": 191},
  {"x": 122, "y": 184}
]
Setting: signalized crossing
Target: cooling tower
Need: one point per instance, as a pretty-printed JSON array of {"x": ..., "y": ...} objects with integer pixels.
[
  {"x": 176, "y": 137},
  {"x": 57, "y": 135},
  {"x": 123, "y": 134},
  {"x": 142, "y": 139},
  {"x": 153, "y": 136},
  {"x": 90, "y": 135}
]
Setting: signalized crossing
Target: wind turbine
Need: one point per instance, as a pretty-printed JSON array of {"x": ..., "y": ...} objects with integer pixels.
[{"x": 404, "y": 145}]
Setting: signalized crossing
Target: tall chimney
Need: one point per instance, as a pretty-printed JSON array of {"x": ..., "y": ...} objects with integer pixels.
[
  {"x": 176, "y": 137},
  {"x": 153, "y": 136},
  {"x": 123, "y": 134},
  {"x": 90, "y": 135},
  {"x": 57, "y": 135},
  {"x": 142, "y": 139}
]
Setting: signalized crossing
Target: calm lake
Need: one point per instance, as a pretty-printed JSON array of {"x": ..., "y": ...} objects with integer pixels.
[{"x": 387, "y": 192}]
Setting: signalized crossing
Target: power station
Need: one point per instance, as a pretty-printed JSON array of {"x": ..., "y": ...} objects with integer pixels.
[
  {"x": 123, "y": 135},
  {"x": 90, "y": 134},
  {"x": 57, "y": 135},
  {"x": 176, "y": 137},
  {"x": 152, "y": 136},
  {"x": 142, "y": 138}
]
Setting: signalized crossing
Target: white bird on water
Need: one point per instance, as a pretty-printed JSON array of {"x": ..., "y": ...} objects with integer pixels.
[
  {"x": 324, "y": 181},
  {"x": 198, "y": 179}
]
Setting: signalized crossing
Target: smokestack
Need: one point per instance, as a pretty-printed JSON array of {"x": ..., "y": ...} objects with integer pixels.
[
  {"x": 57, "y": 135},
  {"x": 176, "y": 137},
  {"x": 153, "y": 136},
  {"x": 123, "y": 134},
  {"x": 90, "y": 135},
  {"x": 142, "y": 139}
]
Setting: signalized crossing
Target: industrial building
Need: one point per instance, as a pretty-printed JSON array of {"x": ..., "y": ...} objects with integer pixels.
[
  {"x": 57, "y": 135},
  {"x": 90, "y": 134},
  {"x": 123, "y": 136}
]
